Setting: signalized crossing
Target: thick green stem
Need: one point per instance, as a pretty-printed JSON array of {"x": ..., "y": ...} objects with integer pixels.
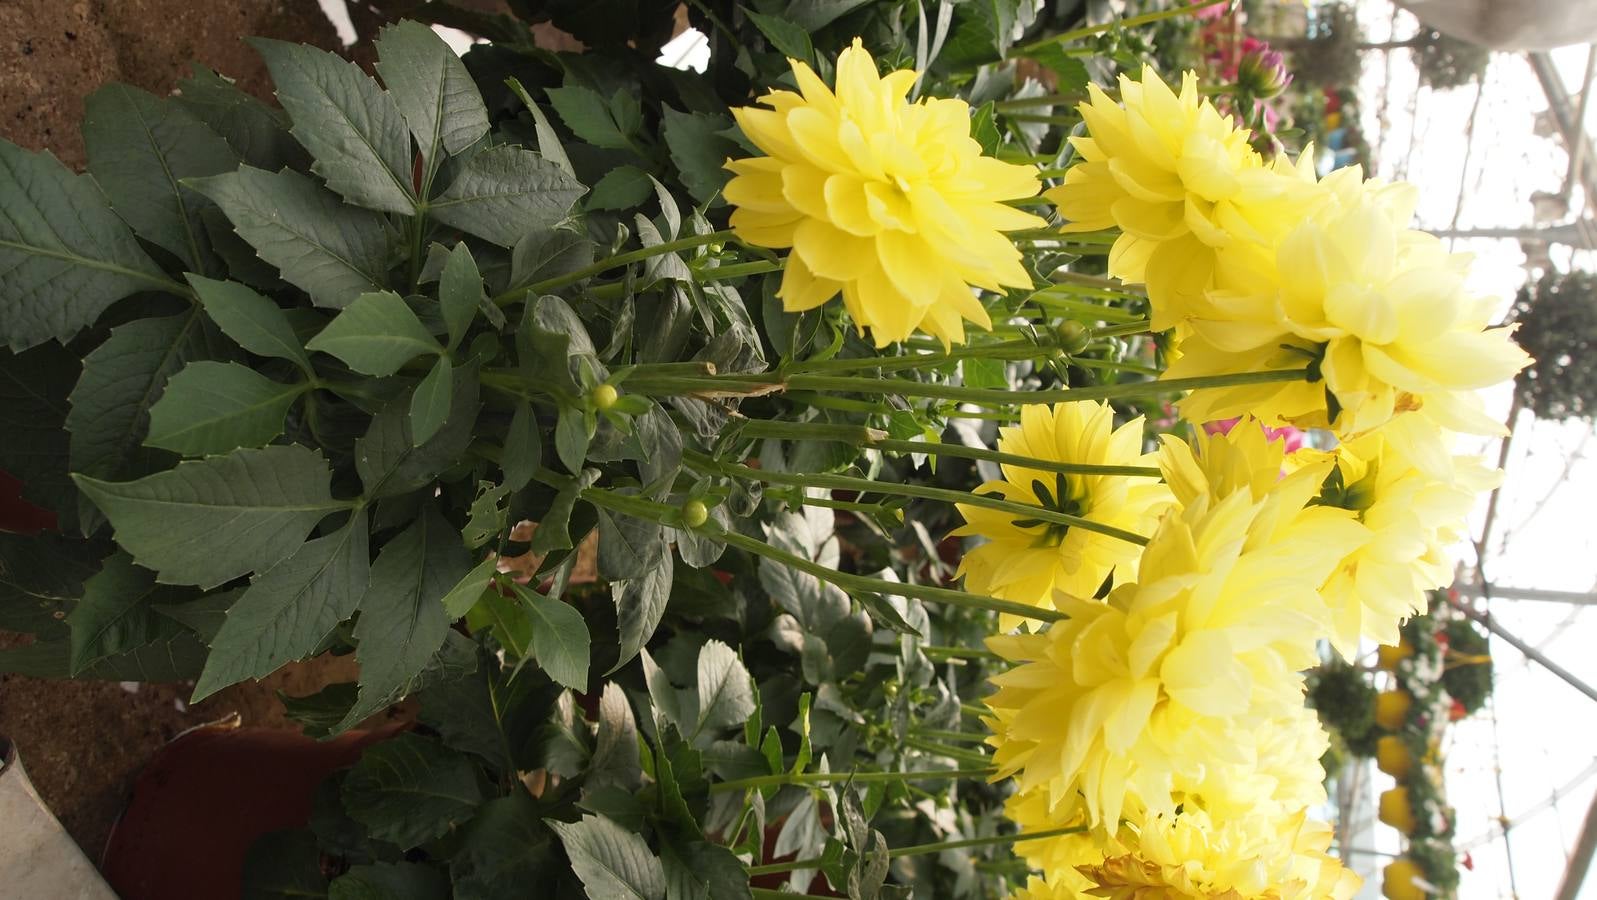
[
  {"x": 785, "y": 778},
  {"x": 1133, "y": 22},
  {"x": 1020, "y": 348},
  {"x": 940, "y": 734},
  {"x": 919, "y": 491},
  {"x": 998, "y": 456},
  {"x": 994, "y": 841},
  {"x": 738, "y": 270},
  {"x": 1056, "y": 303},
  {"x": 936, "y": 651},
  {"x": 605, "y": 265},
  {"x": 955, "y": 753}
]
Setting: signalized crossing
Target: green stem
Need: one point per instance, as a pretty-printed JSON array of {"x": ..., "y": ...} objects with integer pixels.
[
  {"x": 605, "y": 265},
  {"x": 1045, "y": 100},
  {"x": 1087, "y": 362},
  {"x": 738, "y": 270},
  {"x": 856, "y": 435},
  {"x": 1133, "y": 22},
  {"x": 971, "y": 709},
  {"x": 1054, "y": 303},
  {"x": 757, "y": 893},
  {"x": 954, "y": 753},
  {"x": 1138, "y": 327},
  {"x": 919, "y": 491},
  {"x": 1021, "y": 348},
  {"x": 994, "y": 841},
  {"x": 786, "y": 778},
  {"x": 879, "y": 586},
  {"x": 936, "y": 651},
  {"x": 998, "y": 456},
  {"x": 970, "y": 736}
]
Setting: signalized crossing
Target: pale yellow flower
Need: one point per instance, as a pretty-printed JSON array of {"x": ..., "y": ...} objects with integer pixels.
[
  {"x": 1027, "y": 561},
  {"x": 889, "y": 202}
]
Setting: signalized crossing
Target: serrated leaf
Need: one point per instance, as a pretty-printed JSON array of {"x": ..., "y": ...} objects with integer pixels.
[
  {"x": 432, "y": 89},
  {"x": 592, "y": 118},
  {"x": 560, "y": 641},
  {"x": 487, "y": 518},
  {"x": 213, "y": 407},
  {"x": 504, "y": 850},
  {"x": 429, "y": 405},
  {"x": 506, "y": 619},
  {"x": 402, "y": 618},
  {"x": 611, "y": 861},
  {"x": 456, "y": 659},
  {"x": 504, "y": 193},
  {"x": 64, "y": 256},
  {"x": 523, "y": 452},
  {"x": 258, "y": 133},
  {"x": 114, "y": 614},
  {"x": 330, "y": 250},
  {"x": 175, "y": 656},
  {"x": 318, "y": 714},
  {"x": 548, "y": 253},
  {"x": 628, "y": 546},
  {"x": 574, "y": 431},
  {"x": 210, "y": 521},
  {"x": 350, "y": 126},
  {"x": 662, "y": 693},
  {"x": 813, "y": 15},
  {"x": 549, "y": 146},
  {"x": 390, "y": 881},
  {"x": 725, "y": 698},
  {"x": 286, "y": 612},
  {"x": 375, "y": 335},
  {"x": 554, "y": 529},
  {"x": 623, "y": 187},
  {"x": 700, "y": 152},
  {"x": 387, "y": 458},
  {"x": 203, "y": 615},
  {"x": 283, "y": 865},
  {"x": 984, "y": 128},
  {"x": 250, "y": 319},
  {"x": 491, "y": 715},
  {"x": 468, "y": 590},
  {"x": 409, "y": 789},
  {"x": 700, "y": 870},
  {"x": 33, "y": 414},
  {"x": 122, "y": 378},
  {"x": 640, "y": 604},
  {"x": 40, "y": 575},
  {"x": 786, "y": 36},
  {"x": 615, "y": 747},
  {"x": 139, "y": 147},
  {"x": 460, "y": 292}
]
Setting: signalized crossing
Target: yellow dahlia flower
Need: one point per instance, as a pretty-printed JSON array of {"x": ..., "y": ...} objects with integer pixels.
[
  {"x": 1027, "y": 561},
  {"x": 1130, "y": 700},
  {"x": 1180, "y": 182},
  {"x": 889, "y": 202},
  {"x": 1414, "y": 517}
]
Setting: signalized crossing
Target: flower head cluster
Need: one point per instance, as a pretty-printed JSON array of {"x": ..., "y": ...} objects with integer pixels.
[
  {"x": 888, "y": 202},
  {"x": 1028, "y": 560}
]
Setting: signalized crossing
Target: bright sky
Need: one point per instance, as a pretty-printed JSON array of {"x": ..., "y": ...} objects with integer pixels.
[{"x": 1544, "y": 737}]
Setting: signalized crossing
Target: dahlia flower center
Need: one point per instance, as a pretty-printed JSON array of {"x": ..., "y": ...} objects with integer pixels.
[{"x": 1057, "y": 499}]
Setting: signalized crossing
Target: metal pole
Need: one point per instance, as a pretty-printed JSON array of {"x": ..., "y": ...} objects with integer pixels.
[
  {"x": 1580, "y": 860},
  {"x": 1530, "y": 652}
]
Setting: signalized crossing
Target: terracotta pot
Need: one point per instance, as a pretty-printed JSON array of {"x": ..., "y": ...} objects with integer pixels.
[
  {"x": 1391, "y": 709},
  {"x": 1396, "y": 811},
  {"x": 205, "y": 798},
  {"x": 1397, "y": 880},
  {"x": 1392, "y": 756}
]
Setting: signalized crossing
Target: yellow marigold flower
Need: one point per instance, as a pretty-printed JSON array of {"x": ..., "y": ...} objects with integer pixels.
[
  {"x": 1414, "y": 516},
  {"x": 1059, "y": 857},
  {"x": 1027, "y": 561},
  {"x": 1128, "y": 701},
  {"x": 889, "y": 202},
  {"x": 1180, "y": 182}
]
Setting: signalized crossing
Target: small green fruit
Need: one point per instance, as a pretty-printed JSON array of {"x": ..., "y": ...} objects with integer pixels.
[
  {"x": 1072, "y": 336},
  {"x": 695, "y": 513},
  {"x": 604, "y": 396}
]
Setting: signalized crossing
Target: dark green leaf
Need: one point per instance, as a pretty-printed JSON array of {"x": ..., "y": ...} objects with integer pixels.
[
  {"x": 554, "y": 528},
  {"x": 251, "y": 320},
  {"x": 813, "y": 15},
  {"x": 409, "y": 789},
  {"x": 375, "y": 335},
  {"x": 623, "y": 187},
  {"x": 284, "y": 865},
  {"x": 33, "y": 414},
  {"x": 788, "y": 37},
  {"x": 429, "y": 405},
  {"x": 257, "y": 132},
  {"x": 213, "y": 407},
  {"x": 139, "y": 147},
  {"x": 432, "y": 89},
  {"x": 611, "y": 861},
  {"x": 287, "y": 611},
  {"x": 487, "y": 518},
  {"x": 615, "y": 747},
  {"x": 573, "y": 433},
  {"x": 700, "y": 870},
  {"x": 456, "y": 659},
  {"x": 39, "y": 577},
  {"x": 390, "y": 881},
  {"x": 593, "y": 119},
  {"x": 460, "y": 292},
  {"x": 64, "y": 256},
  {"x": 319, "y": 714},
  {"x": 1071, "y": 70},
  {"x": 700, "y": 152},
  {"x": 204, "y": 615},
  {"x": 504, "y": 193},
  {"x": 560, "y": 640},
  {"x": 114, "y": 614},
  {"x": 468, "y": 590},
  {"x": 628, "y": 546},
  {"x": 984, "y": 128},
  {"x": 490, "y": 714},
  {"x": 332, "y": 251},
  {"x": 523, "y": 452},
  {"x": 388, "y": 460},
  {"x": 210, "y": 521},
  {"x": 504, "y": 851},
  {"x": 174, "y": 656},
  {"x": 504, "y": 618},
  {"x": 549, "y": 146},
  {"x": 351, "y": 127},
  {"x": 640, "y": 603},
  {"x": 553, "y": 343},
  {"x": 402, "y": 618},
  {"x": 548, "y": 253}
]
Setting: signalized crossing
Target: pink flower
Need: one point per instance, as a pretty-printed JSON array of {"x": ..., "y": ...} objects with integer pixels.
[
  {"x": 1292, "y": 436},
  {"x": 1261, "y": 71}
]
